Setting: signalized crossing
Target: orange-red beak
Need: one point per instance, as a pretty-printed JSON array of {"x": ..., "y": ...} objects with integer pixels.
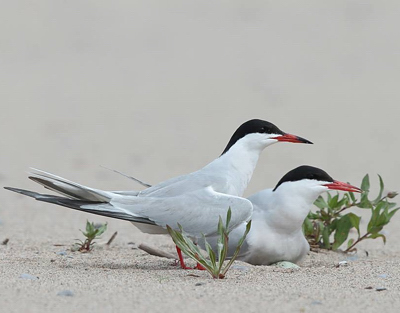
[
  {"x": 292, "y": 138},
  {"x": 338, "y": 185}
]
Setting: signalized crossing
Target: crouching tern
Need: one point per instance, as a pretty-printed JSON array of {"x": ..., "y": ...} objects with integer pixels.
[
  {"x": 195, "y": 201},
  {"x": 278, "y": 214}
]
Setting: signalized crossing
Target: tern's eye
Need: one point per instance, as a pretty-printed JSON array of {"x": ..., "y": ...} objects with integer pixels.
[{"x": 310, "y": 176}]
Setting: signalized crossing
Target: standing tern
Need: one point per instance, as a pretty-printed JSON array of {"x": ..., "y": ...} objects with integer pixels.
[
  {"x": 195, "y": 201},
  {"x": 278, "y": 214}
]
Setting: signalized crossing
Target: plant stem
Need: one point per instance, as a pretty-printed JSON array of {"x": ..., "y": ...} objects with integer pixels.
[
  {"x": 347, "y": 207},
  {"x": 356, "y": 242}
]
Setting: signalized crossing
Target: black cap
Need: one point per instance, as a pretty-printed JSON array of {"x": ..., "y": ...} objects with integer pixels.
[
  {"x": 305, "y": 172},
  {"x": 252, "y": 126}
]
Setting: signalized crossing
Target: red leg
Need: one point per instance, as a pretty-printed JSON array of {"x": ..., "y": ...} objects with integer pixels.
[
  {"x": 200, "y": 267},
  {"x": 197, "y": 267},
  {"x": 181, "y": 259}
]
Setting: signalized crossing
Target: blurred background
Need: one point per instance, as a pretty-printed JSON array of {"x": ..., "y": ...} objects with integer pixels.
[{"x": 155, "y": 89}]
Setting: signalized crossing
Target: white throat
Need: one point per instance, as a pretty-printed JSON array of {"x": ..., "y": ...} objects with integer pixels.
[
  {"x": 293, "y": 201},
  {"x": 238, "y": 163}
]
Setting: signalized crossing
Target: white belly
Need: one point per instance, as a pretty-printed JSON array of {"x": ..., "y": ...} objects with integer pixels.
[{"x": 275, "y": 248}]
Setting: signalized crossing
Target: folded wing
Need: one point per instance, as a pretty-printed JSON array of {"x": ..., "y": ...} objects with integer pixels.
[{"x": 197, "y": 211}]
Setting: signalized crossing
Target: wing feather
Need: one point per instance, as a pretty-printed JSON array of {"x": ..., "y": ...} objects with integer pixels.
[{"x": 198, "y": 212}]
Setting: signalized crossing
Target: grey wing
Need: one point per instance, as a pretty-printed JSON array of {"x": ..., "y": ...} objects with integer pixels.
[
  {"x": 172, "y": 187},
  {"x": 68, "y": 188},
  {"x": 197, "y": 212},
  {"x": 169, "y": 188},
  {"x": 262, "y": 200},
  {"x": 184, "y": 184}
]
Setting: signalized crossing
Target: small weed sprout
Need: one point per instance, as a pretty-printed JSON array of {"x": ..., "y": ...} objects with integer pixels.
[
  {"x": 329, "y": 220},
  {"x": 92, "y": 232},
  {"x": 215, "y": 266}
]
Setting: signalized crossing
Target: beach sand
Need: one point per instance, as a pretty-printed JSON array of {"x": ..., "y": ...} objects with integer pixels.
[{"x": 155, "y": 91}]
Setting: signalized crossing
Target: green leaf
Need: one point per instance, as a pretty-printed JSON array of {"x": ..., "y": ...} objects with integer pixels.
[
  {"x": 313, "y": 216},
  {"x": 365, "y": 183},
  {"x": 308, "y": 227},
  {"x": 344, "y": 201},
  {"x": 381, "y": 187},
  {"x": 364, "y": 202},
  {"x": 391, "y": 213},
  {"x": 325, "y": 236},
  {"x": 352, "y": 197},
  {"x": 383, "y": 218},
  {"x": 372, "y": 221},
  {"x": 355, "y": 221},
  {"x": 377, "y": 235},
  {"x": 222, "y": 250},
  {"x": 220, "y": 225},
  {"x": 320, "y": 203},
  {"x": 350, "y": 242},
  {"x": 333, "y": 202},
  {"x": 242, "y": 239},
  {"x": 325, "y": 216},
  {"x": 344, "y": 225},
  {"x": 228, "y": 218},
  {"x": 375, "y": 220},
  {"x": 209, "y": 251},
  {"x": 318, "y": 227},
  {"x": 375, "y": 229},
  {"x": 89, "y": 227},
  {"x": 100, "y": 231},
  {"x": 236, "y": 253}
]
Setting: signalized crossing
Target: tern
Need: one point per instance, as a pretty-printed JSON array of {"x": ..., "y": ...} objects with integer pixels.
[
  {"x": 195, "y": 201},
  {"x": 278, "y": 214}
]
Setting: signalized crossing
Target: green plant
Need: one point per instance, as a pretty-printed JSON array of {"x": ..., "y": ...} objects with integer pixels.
[
  {"x": 213, "y": 264},
  {"x": 330, "y": 221},
  {"x": 93, "y": 231}
]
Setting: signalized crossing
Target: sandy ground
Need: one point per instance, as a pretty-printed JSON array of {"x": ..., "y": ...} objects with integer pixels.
[{"x": 155, "y": 91}]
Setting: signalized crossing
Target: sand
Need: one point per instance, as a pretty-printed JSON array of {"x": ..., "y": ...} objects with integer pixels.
[{"x": 155, "y": 91}]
